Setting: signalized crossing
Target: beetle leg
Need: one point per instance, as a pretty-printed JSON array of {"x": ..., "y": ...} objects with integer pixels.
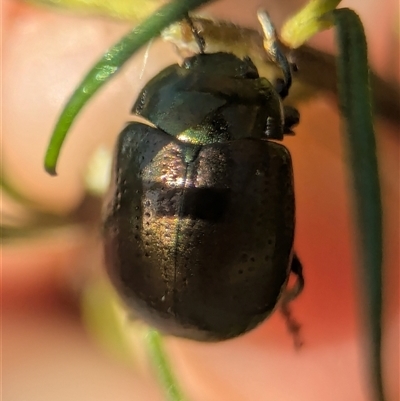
[
  {"x": 272, "y": 47},
  {"x": 292, "y": 118},
  {"x": 289, "y": 295},
  {"x": 297, "y": 269},
  {"x": 196, "y": 35}
]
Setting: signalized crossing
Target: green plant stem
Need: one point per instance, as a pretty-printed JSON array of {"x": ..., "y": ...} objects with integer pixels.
[
  {"x": 108, "y": 65},
  {"x": 160, "y": 362},
  {"x": 356, "y": 105}
]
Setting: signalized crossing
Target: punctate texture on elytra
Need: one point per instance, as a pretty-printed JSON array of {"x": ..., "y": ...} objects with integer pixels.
[{"x": 199, "y": 218}]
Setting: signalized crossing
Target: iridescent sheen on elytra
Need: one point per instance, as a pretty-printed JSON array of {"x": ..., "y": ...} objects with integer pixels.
[{"x": 199, "y": 219}]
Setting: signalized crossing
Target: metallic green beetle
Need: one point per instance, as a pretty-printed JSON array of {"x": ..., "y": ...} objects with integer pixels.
[{"x": 200, "y": 218}]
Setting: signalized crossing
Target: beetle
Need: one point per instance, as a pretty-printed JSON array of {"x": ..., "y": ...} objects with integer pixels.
[{"x": 200, "y": 215}]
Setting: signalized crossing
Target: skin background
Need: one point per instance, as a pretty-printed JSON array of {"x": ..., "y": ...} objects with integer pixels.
[{"x": 46, "y": 352}]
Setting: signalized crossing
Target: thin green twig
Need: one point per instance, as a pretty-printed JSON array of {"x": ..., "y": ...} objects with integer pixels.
[
  {"x": 160, "y": 362},
  {"x": 356, "y": 106}
]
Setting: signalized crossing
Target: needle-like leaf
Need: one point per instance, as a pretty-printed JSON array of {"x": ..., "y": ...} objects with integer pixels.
[
  {"x": 159, "y": 359},
  {"x": 356, "y": 106}
]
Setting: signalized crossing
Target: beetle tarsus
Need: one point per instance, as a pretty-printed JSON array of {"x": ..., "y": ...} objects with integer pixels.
[
  {"x": 293, "y": 326},
  {"x": 290, "y": 294}
]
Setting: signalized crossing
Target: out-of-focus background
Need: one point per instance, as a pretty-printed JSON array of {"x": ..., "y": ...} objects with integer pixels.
[{"x": 48, "y": 349}]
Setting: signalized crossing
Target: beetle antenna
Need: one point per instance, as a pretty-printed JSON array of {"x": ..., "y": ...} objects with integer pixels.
[
  {"x": 196, "y": 34},
  {"x": 271, "y": 45}
]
